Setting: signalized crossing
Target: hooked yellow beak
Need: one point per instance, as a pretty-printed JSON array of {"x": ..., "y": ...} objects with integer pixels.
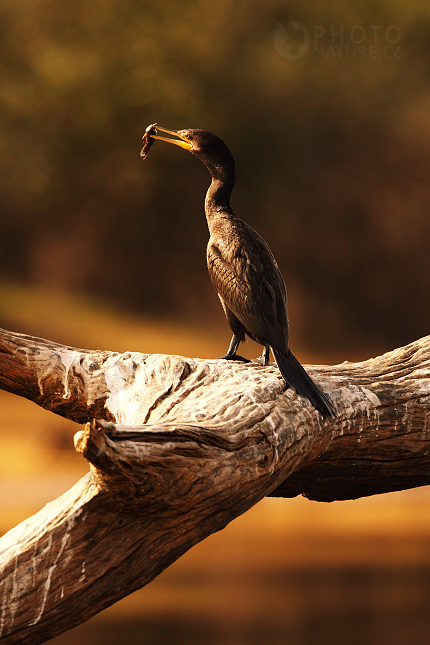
[{"x": 182, "y": 141}]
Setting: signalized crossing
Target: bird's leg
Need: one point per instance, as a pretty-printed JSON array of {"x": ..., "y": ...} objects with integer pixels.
[
  {"x": 231, "y": 352},
  {"x": 265, "y": 355},
  {"x": 264, "y": 358}
]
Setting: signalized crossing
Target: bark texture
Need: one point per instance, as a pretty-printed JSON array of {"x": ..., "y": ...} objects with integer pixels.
[{"x": 179, "y": 447}]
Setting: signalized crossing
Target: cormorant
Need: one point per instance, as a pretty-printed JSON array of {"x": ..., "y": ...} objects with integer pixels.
[{"x": 242, "y": 268}]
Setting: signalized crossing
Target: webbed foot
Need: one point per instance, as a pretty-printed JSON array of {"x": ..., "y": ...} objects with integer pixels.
[
  {"x": 234, "y": 357},
  {"x": 231, "y": 352}
]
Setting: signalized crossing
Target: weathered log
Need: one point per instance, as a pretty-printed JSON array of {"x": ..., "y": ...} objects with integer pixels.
[{"x": 179, "y": 447}]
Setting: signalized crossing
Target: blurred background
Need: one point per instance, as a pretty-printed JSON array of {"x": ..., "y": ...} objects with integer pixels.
[{"x": 325, "y": 107}]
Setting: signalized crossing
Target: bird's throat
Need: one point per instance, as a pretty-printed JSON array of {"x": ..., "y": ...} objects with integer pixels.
[{"x": 218, "y": 197}]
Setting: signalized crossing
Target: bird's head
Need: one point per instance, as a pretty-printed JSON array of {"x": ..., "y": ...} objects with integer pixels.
[
  {"x": 209, "y": 148},
  {"x": 196, "y": 141}
]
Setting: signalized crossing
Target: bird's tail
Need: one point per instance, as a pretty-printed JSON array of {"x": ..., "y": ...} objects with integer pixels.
[{"x": 296, "y": 377}]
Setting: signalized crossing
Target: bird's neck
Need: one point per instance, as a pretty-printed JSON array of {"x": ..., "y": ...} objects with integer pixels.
[{"x": 218, "y": 196}]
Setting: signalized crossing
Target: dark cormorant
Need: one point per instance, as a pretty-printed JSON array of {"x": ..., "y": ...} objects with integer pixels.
[{"x": 242, "y": 267}]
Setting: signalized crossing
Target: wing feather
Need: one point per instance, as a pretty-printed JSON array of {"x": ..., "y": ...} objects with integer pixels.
[{"x": 248, "y": 280}]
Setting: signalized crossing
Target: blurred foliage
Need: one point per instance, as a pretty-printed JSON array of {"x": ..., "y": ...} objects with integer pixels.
[{"x": 332, "y": 149}]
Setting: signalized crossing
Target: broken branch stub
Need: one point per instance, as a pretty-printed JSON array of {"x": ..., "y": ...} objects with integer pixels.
[{"x": 178, "y": 449}]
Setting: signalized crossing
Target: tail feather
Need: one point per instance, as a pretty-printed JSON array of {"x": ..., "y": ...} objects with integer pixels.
[{"x": 296, "y": 377}]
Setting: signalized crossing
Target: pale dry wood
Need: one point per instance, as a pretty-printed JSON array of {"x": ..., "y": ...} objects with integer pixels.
[{"x": 193, "y": 445}]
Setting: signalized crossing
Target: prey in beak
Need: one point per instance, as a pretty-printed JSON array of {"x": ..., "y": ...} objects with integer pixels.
[
  {"x": 151, "y": 133},
  {"x": 148, "y": 139}
]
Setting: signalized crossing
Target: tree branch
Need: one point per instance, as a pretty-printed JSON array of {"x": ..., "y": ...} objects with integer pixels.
[{"x": 181, "y": 447}]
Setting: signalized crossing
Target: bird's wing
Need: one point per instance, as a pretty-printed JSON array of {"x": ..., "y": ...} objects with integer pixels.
[{"x": 250, "y": 284}]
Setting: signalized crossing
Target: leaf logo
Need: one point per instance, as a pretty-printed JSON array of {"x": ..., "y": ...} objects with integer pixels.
[{"x": 291, "y": 41}]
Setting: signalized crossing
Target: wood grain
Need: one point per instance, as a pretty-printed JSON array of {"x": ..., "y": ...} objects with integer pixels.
[{"x": 178, "y": 447}]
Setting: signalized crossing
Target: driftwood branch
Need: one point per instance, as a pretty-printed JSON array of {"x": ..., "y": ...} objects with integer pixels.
[{"x": 178, "y": 448}]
